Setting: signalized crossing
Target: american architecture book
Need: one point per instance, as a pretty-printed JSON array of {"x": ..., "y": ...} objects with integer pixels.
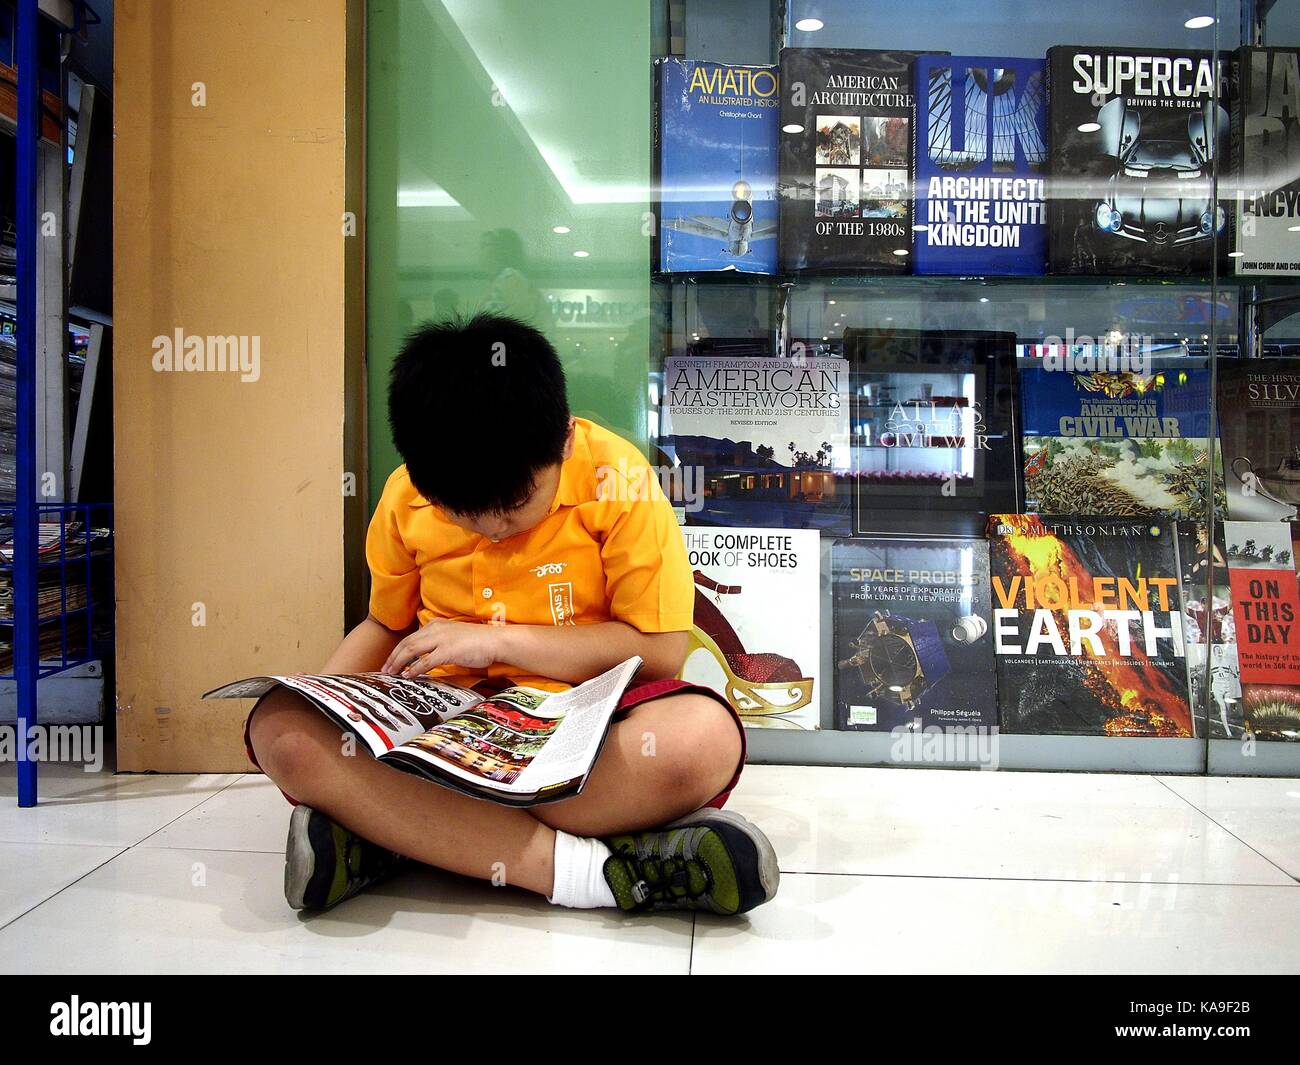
[{"x": 981, "y": 165}]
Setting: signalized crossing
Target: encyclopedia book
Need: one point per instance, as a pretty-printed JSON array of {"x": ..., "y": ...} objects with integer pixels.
[{"x": 1266, "y": 159}]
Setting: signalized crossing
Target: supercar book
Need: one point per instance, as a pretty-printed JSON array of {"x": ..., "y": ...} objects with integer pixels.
[
  {"x": 715, "y": 166},
  {"x": 981, "y": 165}
]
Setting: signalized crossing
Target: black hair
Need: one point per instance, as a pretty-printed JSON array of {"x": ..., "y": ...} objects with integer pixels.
[{"x": 477, "y": 407}]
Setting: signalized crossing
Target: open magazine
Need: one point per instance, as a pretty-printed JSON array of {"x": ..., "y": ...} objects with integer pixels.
[{"x": 519, "y": 747}]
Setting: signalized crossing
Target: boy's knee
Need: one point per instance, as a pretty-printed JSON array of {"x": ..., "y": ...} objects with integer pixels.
[
  {"x": 284, "y": 749},
  {"x": 706, "y": 751}
]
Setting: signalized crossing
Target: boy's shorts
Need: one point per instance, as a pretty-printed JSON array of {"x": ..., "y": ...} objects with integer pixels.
[{"x": 633, "y": 697}]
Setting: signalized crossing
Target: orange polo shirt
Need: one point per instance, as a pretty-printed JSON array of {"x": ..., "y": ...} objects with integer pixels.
[{"x": 609, "y": 549}]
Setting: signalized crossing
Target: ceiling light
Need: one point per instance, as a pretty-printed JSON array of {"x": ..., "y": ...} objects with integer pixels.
[
  {"x": 559, "y": 229},
  {"x": 793, "y": 127},
  {"x": 900, "y": 251},
  {"x": 1199, "y": 22},
  {"x": 580, "y": 254},
  {"x": 1089, "y": 127},
  {"x": 809, "y": 25}
]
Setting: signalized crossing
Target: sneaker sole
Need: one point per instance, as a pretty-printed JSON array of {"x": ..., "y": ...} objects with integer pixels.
[
  {"x": 769, "y": 870},
  {"x": 299, "y": 858}
]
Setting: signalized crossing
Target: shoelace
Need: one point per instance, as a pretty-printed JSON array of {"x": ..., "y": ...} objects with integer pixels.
[{"x": 666, "y": 874}]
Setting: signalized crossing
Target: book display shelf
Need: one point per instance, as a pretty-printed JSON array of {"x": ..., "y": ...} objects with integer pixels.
[{"x": 975, "y": 377}]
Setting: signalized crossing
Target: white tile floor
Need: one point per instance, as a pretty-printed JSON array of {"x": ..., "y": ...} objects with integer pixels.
[{"x": 883, "y": 871}]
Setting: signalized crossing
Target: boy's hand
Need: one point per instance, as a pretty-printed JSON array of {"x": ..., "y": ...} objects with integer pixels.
[{"x": 442, "y": 643}]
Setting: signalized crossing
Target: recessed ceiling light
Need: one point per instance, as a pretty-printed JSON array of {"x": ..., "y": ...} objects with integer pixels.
[
  {"x": 1293, "y": 229},
  {"x": 920, "y": 228},
  {"x": 580, "y": 254},
  {"x": 900, "y": 251},
  {"x": 1089, "y": 127},
  {"x": 1235, "y": 254},
  {"x": 1199, "y": 22},
  {"x": 831, "y": 302},
  {"x": 984, "y": 299},
  {"x": 793, "y": 127},
  {"x": 809, "y": 25},
  {"x": 559, "y": 229},
  {"x": 826, "y": 338}
]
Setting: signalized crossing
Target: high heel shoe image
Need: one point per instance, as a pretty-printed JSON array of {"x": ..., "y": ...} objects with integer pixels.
[{"x": 758, "y": 685}]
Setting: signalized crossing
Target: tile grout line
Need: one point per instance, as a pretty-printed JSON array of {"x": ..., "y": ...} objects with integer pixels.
[
  {"x": 1043, "y": 879},
  {"x": 1208, "y": 817},
  {"x": 32, "y": 909}
]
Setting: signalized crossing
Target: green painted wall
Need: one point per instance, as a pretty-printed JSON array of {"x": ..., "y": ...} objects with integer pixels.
[{"x": 488, "y": 123}]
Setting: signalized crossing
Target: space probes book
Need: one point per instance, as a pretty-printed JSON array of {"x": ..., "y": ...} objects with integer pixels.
[
  {"x": 1119, "y": 444},
  {"x": 845, "y": 168},
  {"x": 1266, "y": 160},
  {"x": 769, "y": 437},
  {"x": 715, "y": 166},
  {"x": 1259, "y": 430},
  {"x": 1134, "y": 135},
  {"x": 981, "y": 165},
  {"x": 1266, "y": 609},
  {"x": 913, "y": 634},
  {"x": 1087, "y": 627}
]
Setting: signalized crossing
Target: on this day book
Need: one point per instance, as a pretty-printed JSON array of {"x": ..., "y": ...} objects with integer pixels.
[{"x": 519, "y": 747}]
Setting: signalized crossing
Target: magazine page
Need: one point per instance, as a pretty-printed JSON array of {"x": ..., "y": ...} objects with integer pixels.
[
  {"x": 523, "y": 741},
  {"x": 381, "y": 710}
]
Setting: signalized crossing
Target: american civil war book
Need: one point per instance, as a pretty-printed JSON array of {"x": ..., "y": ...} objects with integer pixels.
[
  {"x": 845, "y": 168},
  {"x": 1259, "y": 429},
  {"x": 767, "y": 436},
  {"x": 1135, "y": 136},
  {"x": 913, "y": 634},
  {"x": 933, "y": 433},
  {"x": 715, "y": 166},
  {"x": 981, "y": 165},
  {"x": 1266, "y": 608},
  {"x": 756, "y": 634},
  {"x": 1266, "y": 161},
  {"x": 1119, "y": 443},
  {"x": 1087, "y": 626}
]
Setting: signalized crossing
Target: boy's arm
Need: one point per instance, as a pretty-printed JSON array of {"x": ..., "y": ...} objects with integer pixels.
[{"x": 365, "y": 648}]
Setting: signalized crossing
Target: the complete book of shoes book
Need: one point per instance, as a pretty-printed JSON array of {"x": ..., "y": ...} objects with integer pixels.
[{"x": 518, "y": 747}]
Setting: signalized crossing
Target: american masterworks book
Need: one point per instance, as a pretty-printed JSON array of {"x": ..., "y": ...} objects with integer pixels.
[
  {"x": 1266, "y": 607},
  {"x": 519, "y": 747},
  {"x": 715, "y": 155},
  {"x": 1087, "y": 627},
  {"x": 981, "y": 165},
  {"x": 1259, "y": 429},
  {"x": 1117, "y": 443},
  {"x": 756, "y": 634},
  {"x": 768, "y": 437},
  {"x": 1135, "y": 135},
  {"x": 1266, "y": 155},
  {"x": 913, "y": 635},
  {"x": 845, "y": 169}
]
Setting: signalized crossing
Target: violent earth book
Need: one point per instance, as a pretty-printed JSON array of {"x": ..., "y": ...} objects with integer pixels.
[
  {"x": 913, "y": 635},
  {"x": 1135, "y": 134},
  {"x": 715, "y": 166},
  {"x": 1087, "y": 627},
  {"x": 981, "y": 165}
]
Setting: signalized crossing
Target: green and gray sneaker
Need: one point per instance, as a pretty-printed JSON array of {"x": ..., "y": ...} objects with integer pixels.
[
  {"x": 324, "y": 863},
  {"x": 711, "y": 860}
]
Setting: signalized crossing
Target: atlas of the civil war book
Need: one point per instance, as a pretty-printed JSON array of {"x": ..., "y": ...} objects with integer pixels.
[
  {"x": 1118, "y": 443},
  {"x": 1135, "y": 135},
  {"x": 934, "y": 440},
  {"x": 913, "y": 634},
  {"x": 756, "y": 635},
  {"x": 715, "y": 166},
  {"x": 1087, "y": 627},
  {"x": 762, "y": 441},
  {"x": 1266, "y": 609},
  {"x": 981, "y": 165},
  {"x": 1266, "y": 161},
  {"x": 1259, "y": 431},
  {"x": 845, "y": 170},
  {"x": 1209, "y": 632}
]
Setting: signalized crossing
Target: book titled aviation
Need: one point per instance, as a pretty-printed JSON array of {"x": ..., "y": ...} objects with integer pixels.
[
  {"x": 1266, "y": 157},
  {"x": 981, "y": 165},
  {"x": 769, "y": 437},
  {"x": 715, "y": 161},
  {"x": 933, "y": 434},
  {"x": 756, "y": 635},
  {"x": 1087, "y": 627},
  {"x": 1134, "y": 136},
  {"x": 1266, "y": 608},
  {"x": 846, "y": 159},
  {"x": 913, "y": 634},
  {"x": 1119, "y": 444},
  {"x": 1259, "y": 429}
]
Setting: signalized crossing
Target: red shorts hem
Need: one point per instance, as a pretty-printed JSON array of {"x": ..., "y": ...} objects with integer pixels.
[{"x": 632, "y": 697}]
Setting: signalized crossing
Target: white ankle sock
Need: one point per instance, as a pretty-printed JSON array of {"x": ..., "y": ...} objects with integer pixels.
[{"x": 579, "y": 873}]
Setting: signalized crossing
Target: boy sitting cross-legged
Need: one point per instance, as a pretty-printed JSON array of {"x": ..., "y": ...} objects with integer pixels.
[{"x": 505, "y": 548}]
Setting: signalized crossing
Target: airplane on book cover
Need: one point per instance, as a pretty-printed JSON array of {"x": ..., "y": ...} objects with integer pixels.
[{"x": 736, "y": 230}]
